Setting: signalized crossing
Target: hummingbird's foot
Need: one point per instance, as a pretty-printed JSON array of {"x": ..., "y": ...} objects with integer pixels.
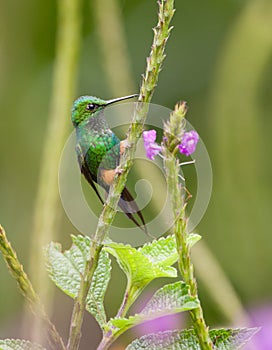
[
  {"x": 118, "y": 171},
  {"x": 123, "y": 146},
  {"x": 108, "y": 176}
]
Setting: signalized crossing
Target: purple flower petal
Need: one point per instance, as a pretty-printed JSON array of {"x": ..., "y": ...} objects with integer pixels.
[
  {"x": 151, "y": 147},
  {"x": 189, "y": 142},
  {"x": 149, "y": 136},
  {"x": 152, "y": 150}
]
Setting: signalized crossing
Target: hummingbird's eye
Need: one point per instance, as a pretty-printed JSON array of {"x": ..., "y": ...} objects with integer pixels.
[{"x": 90, "y": 106}]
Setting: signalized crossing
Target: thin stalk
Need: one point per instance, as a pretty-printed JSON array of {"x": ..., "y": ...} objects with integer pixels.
[
  {"x": 154, "y": 64},
  {"x": 27, "y": 290},
  {"x": 173, "y": 132},
  {"x": 129, "y": 297},
  {"x": 131, "y": 294},
  {"x": 80, "y": 301},
  {"x": 114, "y": 333},
  {"x": 107, "y": 340},
  {"x": 47, "y": 200},
  {"x": 125, "y": 305}
]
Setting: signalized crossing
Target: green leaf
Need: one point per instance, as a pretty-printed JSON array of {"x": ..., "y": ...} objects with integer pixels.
[
  {"x": 65, "y": 270},
  {"x": 144, "y": 264},
  {"x": 162, "y": 251},
  {"x": 192, "y": 239},
  {"x": 223, "y": 339},
  {"x": 18, "y": 344},
  {"x": 169, "y": 299}
]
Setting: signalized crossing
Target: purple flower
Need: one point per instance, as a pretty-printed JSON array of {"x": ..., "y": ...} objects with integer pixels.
[
  {"x": 151, "y": 147},
  {"x": 189, "y": 142},
  {"x": 149, "y": 136}
]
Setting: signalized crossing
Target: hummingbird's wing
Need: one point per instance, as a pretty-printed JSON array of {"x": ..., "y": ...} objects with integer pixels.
[
  {"x": 126, "y": 202},
  {"x": 86, "y": 172}
]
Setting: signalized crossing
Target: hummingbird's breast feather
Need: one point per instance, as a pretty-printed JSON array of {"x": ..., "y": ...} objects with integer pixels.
[{"x": 101, "y": 150}]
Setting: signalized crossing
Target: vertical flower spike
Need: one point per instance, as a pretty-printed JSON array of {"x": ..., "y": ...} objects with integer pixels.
[
  {"x": 189, "y": 142},
  {"x": 176, "y": 139},
  {"x": 151, "y": 147},
  {"x": 174, "y": 127}
]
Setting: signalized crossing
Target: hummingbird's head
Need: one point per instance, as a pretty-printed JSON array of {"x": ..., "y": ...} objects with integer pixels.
[
  {"x": 84, "y": 107},
  {"x": 88, "y": 106}
]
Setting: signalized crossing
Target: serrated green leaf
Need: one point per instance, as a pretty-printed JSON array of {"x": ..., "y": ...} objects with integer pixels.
[
  {"x": 144, "y": 264},
  {"x": 169, "y": 299},
  {"x": 138, "y": 268},
  {"x": 223, "y": 339},
  {"x": 18, "y": 344},
  {"x": 162, "y": 251},
  {"x": 65, "y": 270}
]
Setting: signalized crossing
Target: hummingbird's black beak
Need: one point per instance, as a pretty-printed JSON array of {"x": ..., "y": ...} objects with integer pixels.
[{"x": 118, "y": 99}]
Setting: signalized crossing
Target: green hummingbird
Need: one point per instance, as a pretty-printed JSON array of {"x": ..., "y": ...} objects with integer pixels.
[{"x": 99, "y": 149}]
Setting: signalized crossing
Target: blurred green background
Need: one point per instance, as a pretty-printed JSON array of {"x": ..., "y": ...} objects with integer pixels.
[{"x": 219, "y": 59}]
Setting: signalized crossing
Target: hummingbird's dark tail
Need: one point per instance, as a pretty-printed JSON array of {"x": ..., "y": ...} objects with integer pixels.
[{"x": 131, "y": 209}]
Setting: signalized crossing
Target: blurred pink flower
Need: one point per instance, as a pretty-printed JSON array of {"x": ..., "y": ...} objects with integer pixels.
[
  {"x": 170, "y": 322},
  {"x": 261, "y": 317}
]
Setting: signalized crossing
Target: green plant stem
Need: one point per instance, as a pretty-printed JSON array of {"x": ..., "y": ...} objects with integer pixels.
[
  {"x": 184, "y": 262},
  {"x": 131, "y": 294},
  {"x": 173, "y": 131},
  {"x": 114, "y": 333},
  {"x": 126, "y": 303},
  {"x": 129, "y": 297},
  {"x": 154, "y": 63},
  {"x": 80, "y": 301},
  {"x": 26, "y": 288},
  {"x": 106, "y": 341}
]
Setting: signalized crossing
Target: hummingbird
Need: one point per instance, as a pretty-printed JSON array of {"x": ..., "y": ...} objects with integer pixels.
[{"x": 99, "y": 149}]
